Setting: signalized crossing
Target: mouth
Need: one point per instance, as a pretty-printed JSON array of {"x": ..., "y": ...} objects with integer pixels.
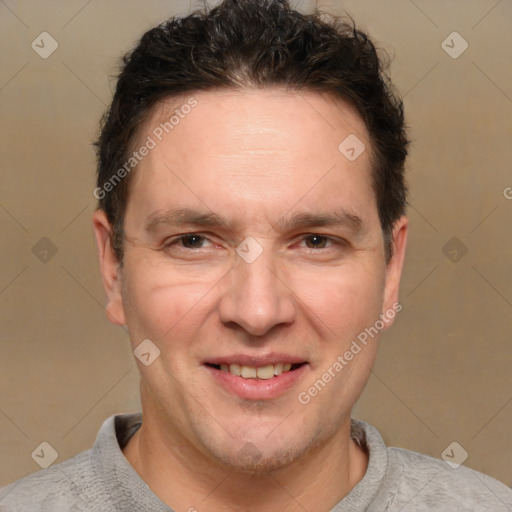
[
  {"x": 266, "y": 372},
  {"x": 257, "y": 378}
]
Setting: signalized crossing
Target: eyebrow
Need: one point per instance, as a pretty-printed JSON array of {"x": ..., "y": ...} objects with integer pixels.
[
  {"x": 188, "y": 217},
  {"x": 340, "y": 218},
  {"x": 183, "y": 217}
]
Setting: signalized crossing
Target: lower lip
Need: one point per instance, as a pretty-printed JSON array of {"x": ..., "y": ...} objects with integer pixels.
[{"x": 258, "y": 389}]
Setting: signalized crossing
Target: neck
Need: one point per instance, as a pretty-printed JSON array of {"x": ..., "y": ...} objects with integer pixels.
[{"x": 187, "y": 480}]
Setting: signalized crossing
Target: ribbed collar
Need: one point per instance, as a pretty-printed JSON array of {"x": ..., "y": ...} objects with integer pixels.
[{"x": 129, "y": 492}]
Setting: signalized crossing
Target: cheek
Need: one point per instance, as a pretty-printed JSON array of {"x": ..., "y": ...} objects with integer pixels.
[
  {"x": 345, "y": 299},
  {"x": 163, "y": 304},
  {"x": 342, "y": 306}
]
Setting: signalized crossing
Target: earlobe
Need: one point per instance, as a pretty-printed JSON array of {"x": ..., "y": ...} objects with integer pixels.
[
  {"x": 394, "y": 268},
  {"x": 109, "y": 267}
]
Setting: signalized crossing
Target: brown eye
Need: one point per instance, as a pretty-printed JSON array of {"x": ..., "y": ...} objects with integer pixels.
[
  {"x": 187, "y": 241},
  {"x": 191, "y": 241},
  {"x": 316, "y": 241}
]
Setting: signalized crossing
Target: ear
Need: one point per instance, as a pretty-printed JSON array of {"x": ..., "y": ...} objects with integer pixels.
[
  {"x": 109, "y": 267},
  {"x": 394, "y": 271}
]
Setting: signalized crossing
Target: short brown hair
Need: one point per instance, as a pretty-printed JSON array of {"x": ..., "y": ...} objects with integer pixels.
[{"x": 254, "y": 43}]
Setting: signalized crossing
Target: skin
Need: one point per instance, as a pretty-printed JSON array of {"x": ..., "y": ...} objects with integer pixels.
[{"x": 254, "y": 158}]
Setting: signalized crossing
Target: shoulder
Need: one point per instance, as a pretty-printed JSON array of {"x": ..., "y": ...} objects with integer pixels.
[
  {"x": 419, "y": 482},
  {"x": 407, "y": 481},
  {"x": 56, "y": 488},
  {"x": 82, "y": 483}
]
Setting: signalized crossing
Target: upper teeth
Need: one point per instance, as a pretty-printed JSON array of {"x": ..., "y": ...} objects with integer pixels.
[{"x": 250, "y": 372}]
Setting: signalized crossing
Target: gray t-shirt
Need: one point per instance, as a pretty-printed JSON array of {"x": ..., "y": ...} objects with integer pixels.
[{"x": 102, "y": 480}]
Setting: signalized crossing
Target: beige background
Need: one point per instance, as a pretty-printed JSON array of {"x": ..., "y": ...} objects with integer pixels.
[{"x": 443, "y": 373}]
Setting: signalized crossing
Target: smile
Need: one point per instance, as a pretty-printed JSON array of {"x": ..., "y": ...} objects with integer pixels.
[
  {"x": 257, "y": 378},
  {"x": 252, "y": 372}
]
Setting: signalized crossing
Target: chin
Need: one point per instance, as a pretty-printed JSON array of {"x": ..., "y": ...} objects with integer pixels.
[{"x": 249, "y": 458}]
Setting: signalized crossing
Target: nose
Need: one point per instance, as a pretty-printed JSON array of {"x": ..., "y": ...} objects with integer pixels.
[{"x": 257, "y": 298}]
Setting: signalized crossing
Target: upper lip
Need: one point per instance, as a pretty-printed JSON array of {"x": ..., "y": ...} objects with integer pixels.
[{"x": 255, "y": 361}]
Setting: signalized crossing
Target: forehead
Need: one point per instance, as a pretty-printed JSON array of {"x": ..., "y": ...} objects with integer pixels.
[
  {"x": 276, "y": 118},
  {"x": 255, "y": 146}
]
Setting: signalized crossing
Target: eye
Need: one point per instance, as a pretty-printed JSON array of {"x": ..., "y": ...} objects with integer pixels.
[
  {"x": 187, "y": 241},
  {"x": 315, "y": 241}
]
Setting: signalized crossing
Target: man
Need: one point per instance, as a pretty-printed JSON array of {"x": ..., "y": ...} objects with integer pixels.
[{"x": 251, "y": 235}]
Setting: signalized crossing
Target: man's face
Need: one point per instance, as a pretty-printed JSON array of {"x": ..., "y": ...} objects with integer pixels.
[{"x": 298, "y": 291}]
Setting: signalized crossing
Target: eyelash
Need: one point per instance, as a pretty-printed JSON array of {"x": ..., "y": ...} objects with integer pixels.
[{"x": 180, "y": 238}]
